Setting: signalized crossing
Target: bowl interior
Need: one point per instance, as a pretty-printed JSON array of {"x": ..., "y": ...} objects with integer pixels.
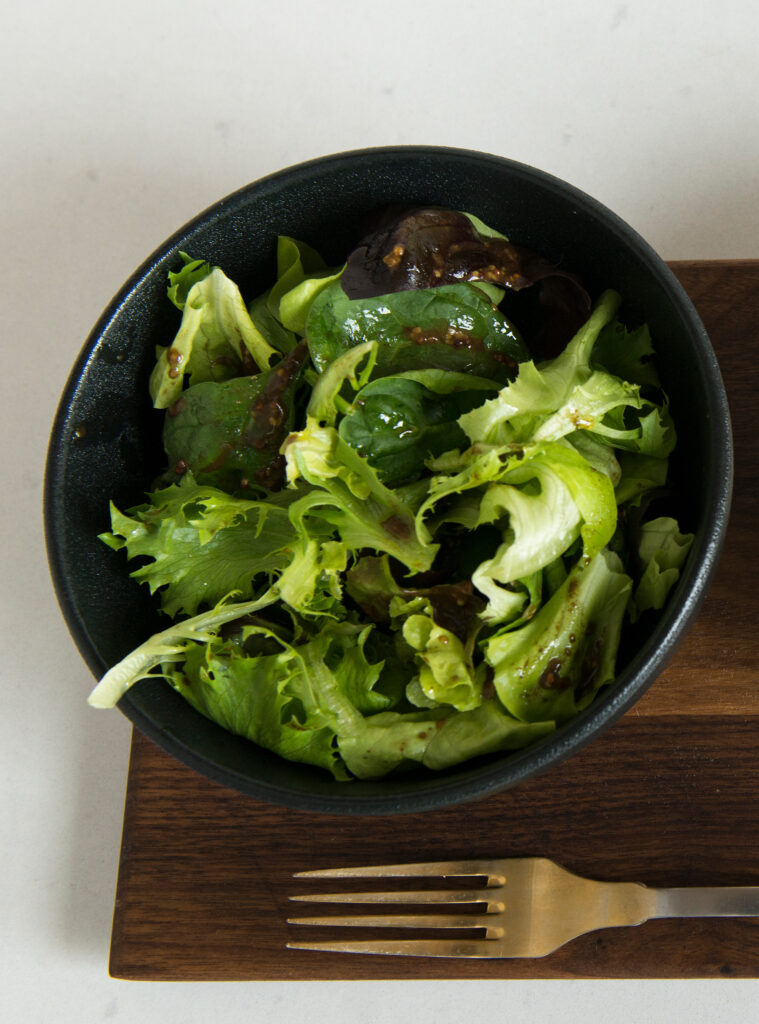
[{"x": 106, "y": 440}]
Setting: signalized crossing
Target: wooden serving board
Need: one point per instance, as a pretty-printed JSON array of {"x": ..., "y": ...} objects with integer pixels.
[{"x": 668, "y": 796}]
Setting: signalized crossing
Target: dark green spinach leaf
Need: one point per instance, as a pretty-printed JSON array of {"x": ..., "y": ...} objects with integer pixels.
[
  {"x": 454, "y": 327},
  {"x": 229, "y": 434},
  {"x": 397, "y": 423},
  {"x": 278, "y": 336}
]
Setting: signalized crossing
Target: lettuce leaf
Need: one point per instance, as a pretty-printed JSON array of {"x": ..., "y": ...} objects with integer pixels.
[
  {"x": 573, "y": 500},
  {"x": 295, "y": 305},
  {"x": 446, "y": 674},
  {"x": 662, "y": 551},
  {"x": 600, "y": 456},
  {"x": 521, "y": 407},
  {"x": 182, "y": 280},
  {"x": 639, "y": 474},
  {"x": 289, "y": 701},
  {"x": 488, "y": 729},
  {"x": 297, "y": 699},
  {"x": 170, "y": 647},
  {"x": 568, "y": 396},
  {"x": 326, "y": 402},
  {"x": 436, "y": 738},
  {"x": 646, "y": 428},
  {"x": 203, "y": 544},
  {"x": 545, "y": 496},
  {"x": 456, "y": 473},
  {"x": 390, "y": 741},
  {"x": 627, "y": 354},
  {"x": 276, "y": 335},
  {"x": 554, "y": 665},
  {"x": 301, "y": 275},
  {"x": 349, "y": 495},
  {"x": 311, "y": 584},
  {"x": 587, "y": 405},
  {"x": 215, "y": 341},
  {"x": 295, "y": 261},
  {"x": 443, "y": 382}
]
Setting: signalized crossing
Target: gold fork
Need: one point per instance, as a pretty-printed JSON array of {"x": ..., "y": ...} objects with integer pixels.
[{"x": 529, "y": 907}]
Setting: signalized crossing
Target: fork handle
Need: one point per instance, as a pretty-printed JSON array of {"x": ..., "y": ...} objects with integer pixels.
[{"x": 708, "y": 901}]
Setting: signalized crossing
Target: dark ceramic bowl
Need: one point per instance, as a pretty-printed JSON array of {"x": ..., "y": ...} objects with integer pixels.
[{"x": 106, "y": 440}]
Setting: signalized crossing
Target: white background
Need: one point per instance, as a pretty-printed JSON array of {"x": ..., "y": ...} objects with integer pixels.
[{"x": 122, "y": 120}]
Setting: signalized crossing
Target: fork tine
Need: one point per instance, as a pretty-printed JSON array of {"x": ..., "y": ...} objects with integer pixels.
[
  {"x": 434, "y": 921},
  {"x": 481, "y": 948},
  {"x": 447, "y": 896},
  {"x": 433, "y": 869}
]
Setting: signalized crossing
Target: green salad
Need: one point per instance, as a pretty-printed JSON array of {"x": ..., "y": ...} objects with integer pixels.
[{"x": 404, "y": 519}]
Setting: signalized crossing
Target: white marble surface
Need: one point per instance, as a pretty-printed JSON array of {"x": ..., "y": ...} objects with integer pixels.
[{"x": 119, "y": 122}]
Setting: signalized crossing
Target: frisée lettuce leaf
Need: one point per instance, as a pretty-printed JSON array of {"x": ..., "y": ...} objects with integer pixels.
[{"x": 202, "y": 544}]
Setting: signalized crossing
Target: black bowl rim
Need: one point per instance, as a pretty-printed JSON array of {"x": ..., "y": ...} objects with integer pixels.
[{"x": 637, "y": 676}]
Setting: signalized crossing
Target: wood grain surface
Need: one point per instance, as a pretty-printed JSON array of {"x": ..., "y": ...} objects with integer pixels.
[{"x": 662, "y": 798}]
